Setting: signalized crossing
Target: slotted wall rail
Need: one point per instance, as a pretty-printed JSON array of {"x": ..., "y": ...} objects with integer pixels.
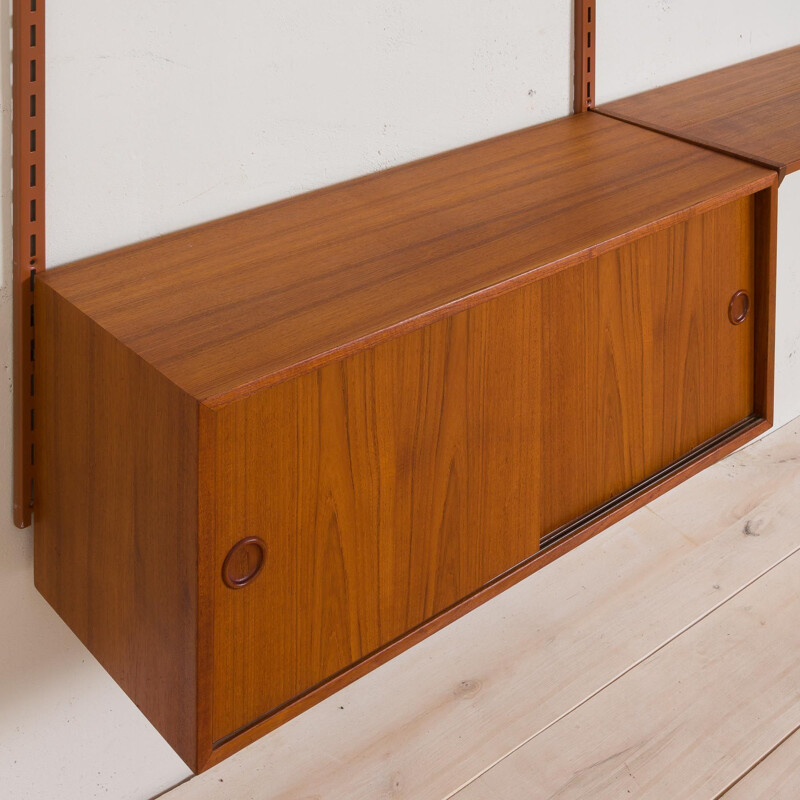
[
  {"x": 28, "y": 235},
  {"x": 583, "y": 72}
]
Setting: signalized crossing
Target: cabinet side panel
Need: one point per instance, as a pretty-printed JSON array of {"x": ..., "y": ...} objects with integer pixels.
[
  {"x": 766, "y": 223},
  {"x": 116, "y": 512},
  {"x": 394, "y": 483}
]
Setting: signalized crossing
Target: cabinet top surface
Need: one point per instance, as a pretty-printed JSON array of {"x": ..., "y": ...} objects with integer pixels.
[
  {"x": 235, "y": 305},
  {"x": 752, "y": 108}
]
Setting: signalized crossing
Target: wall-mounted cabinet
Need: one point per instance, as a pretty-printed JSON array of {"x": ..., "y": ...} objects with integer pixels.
[{"x": 278, "y": 448}]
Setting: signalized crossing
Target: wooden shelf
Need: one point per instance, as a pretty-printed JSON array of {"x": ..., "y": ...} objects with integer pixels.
[
  {"x": 234, "y": 305},
  {"x": 751, "y": 110}
]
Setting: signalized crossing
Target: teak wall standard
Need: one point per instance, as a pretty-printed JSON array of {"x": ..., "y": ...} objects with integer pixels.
[{"x": 385, "y": 400}]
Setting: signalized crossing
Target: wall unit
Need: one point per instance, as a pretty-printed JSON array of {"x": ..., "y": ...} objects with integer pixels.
[{"x": 278, "y": 448}]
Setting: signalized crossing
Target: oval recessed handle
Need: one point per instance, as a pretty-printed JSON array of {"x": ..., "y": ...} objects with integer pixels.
[
  {"x": 739, "y": 307},
  {"x": 243, "y": 562}
]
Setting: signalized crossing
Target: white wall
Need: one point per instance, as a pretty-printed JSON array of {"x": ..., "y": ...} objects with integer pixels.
[{"x": 162, "y": 114}]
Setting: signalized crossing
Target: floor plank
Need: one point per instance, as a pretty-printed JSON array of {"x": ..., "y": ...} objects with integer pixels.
[
  {"x": 430, "y": 720},
  {"x": 686, "y": 723},
  {"x": 777, "y": 777}
]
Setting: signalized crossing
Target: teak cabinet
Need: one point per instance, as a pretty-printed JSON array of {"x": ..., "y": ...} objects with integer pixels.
[{"x": 276, "y": 449}]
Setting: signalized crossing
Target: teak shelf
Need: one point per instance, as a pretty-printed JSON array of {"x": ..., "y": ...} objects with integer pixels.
[
  {"x": 278, "y": 448},
  {"x": 751, "y": 110}
]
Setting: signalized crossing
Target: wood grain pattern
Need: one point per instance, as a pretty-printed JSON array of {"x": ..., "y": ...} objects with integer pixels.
[
  {"x": 438, "y": 715},
  {"x": 751, "y": 109},
  {"x": 776, "y": 777},
  {"x": 392, "y": 484},
  {"x": 274, "y": 292},
  {"x": 116, "y": 522},
  {"x": 669, "y": 728}
]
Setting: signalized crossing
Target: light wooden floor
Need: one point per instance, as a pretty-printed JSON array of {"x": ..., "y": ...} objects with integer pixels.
[{"x": 659, "y": 660}]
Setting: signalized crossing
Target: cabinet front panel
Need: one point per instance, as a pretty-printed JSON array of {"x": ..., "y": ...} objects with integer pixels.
[{"x": 391, "y": 484}]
